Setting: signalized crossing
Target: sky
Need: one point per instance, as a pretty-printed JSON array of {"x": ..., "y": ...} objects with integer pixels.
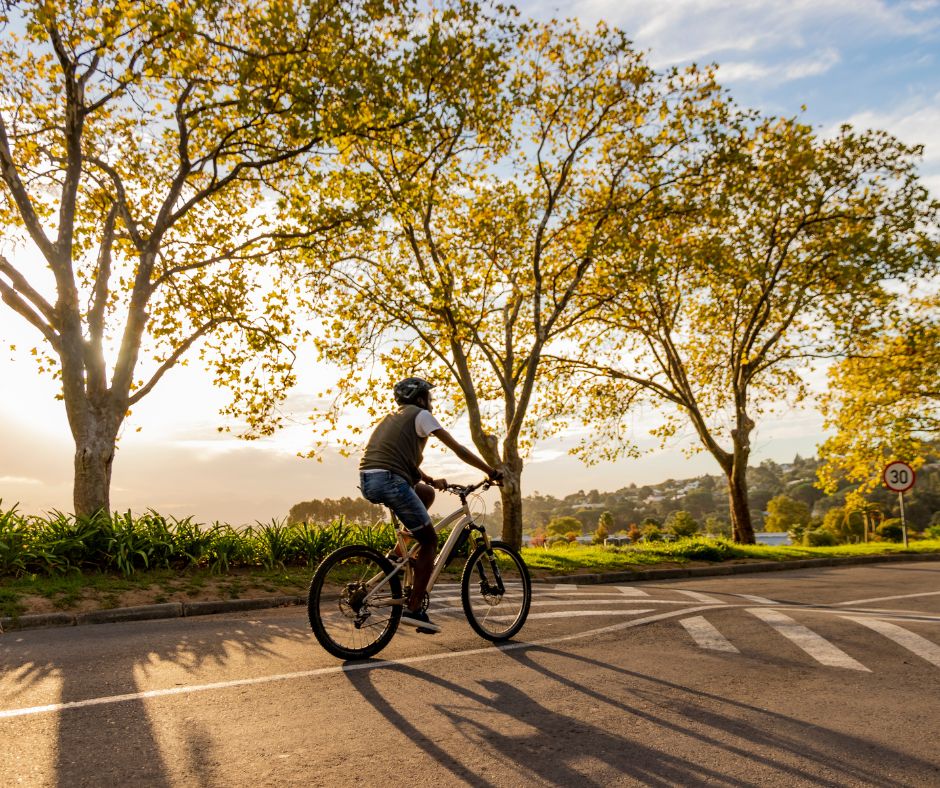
[{"x": 869, "y": 63}]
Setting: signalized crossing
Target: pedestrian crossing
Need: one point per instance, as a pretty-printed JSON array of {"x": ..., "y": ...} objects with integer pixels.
[{"x": 873, "y": 629}]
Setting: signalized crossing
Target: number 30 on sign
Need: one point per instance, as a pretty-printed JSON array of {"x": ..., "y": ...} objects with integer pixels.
[{"x": 898, "y": 476}]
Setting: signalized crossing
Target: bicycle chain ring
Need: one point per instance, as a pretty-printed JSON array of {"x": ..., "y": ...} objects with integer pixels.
[{"x": 406, "y": 595}]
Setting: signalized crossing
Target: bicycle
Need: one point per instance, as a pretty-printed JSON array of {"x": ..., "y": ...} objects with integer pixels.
[{"x": 356, "y": 594}]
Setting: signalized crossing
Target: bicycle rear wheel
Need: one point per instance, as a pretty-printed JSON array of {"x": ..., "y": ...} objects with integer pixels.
[
  {"x": 347, "y": 624},
  {"x": 496, "y": 591}
]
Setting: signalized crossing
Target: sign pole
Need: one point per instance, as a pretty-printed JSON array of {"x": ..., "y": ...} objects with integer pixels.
[{"x": 903, "y": 523}]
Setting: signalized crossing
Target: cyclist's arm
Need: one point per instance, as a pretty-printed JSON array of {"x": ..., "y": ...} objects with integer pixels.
[{"x": 463, "y": 453}]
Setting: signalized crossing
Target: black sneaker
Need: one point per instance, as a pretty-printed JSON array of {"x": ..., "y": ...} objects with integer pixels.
[{"x": 420, "y": 621}]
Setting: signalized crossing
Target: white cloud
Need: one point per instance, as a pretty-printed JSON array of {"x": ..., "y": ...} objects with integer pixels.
[
  {"x": 18, "y": 480},
  {"x": 702, "y": 30},
  {"x": 776, "y": 73}
]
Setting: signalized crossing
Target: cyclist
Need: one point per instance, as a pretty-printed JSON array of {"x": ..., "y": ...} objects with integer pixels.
[{"x": 390, "y": 474}]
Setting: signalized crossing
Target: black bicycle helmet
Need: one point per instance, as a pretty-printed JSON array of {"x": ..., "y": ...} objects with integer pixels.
[{"x": 410, "y": 389}]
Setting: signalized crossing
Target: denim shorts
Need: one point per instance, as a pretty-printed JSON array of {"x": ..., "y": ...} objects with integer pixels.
[{"x": 391, "y": 490}]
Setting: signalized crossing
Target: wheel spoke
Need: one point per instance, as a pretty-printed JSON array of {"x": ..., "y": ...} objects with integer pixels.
[
  {"x": 492, "y": 614},
  {"x": 337, "y": 603}
]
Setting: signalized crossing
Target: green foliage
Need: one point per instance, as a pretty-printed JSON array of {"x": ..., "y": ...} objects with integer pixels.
[
  {"x": 933, "y": 532},
  {"x": 681, "y": 524},
  {"x": 652, "y": 533},
  {"x": 784, "y": 514},
  {"x": 890, "y": 530},
  {"x": 560, "y": 526},
  {"x": 59, "y": 544},
  {"x": 821, "y": 537}
]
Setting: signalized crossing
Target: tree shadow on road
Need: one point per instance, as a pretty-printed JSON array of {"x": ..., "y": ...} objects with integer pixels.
[
  {"x": 117, "y": 743},
  {"x": 641, "y": 729}
]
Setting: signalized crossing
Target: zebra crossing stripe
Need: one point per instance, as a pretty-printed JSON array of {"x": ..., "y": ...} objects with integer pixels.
[
  {"x": 631, "y": 591},
  {"x": 903, "y": 637},
  {"x": 816, "y": 646},
  {"x": 761, "y": 600},
  {"x": 566, "y": 587},
  {"x": 699, "y": 597},
  {"x": 705, "y": 634}
]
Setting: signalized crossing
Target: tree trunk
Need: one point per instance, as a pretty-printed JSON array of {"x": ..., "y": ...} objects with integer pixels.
[
  {"x": 94, "y": 456},
  {"x": 741, "y": 527},
  {"x": 511, "y": 499}
]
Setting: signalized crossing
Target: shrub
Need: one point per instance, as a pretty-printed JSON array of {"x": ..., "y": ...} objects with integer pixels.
[
  {"x": 559, "y": 526},
  {"x": 821, "y": 537},
  {"x": 890, "y": 530},
  {"x": 933, "y": 532},
  {"x": 681, "y": 524}
]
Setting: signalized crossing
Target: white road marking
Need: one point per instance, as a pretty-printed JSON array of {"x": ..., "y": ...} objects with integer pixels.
[
  {"x": 698, "y": 597},
  {"x": 632, "y": 591},
  {"x": 562, "y": 602},
  {"x": 912, "y": 642},
  {"x": 705, "y": 634},
  {"x": 572, "y": 614},
  {"x": 761, "y": 600},
  {"x": 886, "y": 598},
  {"x": 815, "y": 645},
  {"x": 345, "y": 668},
  {"x": 566, "y": 587}
]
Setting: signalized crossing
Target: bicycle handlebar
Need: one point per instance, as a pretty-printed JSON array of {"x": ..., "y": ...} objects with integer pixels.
[{"x": 464, "y": 490}]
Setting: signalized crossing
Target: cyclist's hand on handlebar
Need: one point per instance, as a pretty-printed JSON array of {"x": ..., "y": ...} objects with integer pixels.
[
  {"x": 495, "y": 476},
  {"x": 439, "y": 484}
]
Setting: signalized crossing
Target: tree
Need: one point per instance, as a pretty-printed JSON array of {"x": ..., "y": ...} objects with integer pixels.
[
  {"x": 491, "y": 218},
  {"x": 681, "y": 524},
  {"x": 141, "y": 145},
  {"x": 605, "y": 524},
  {"x": 560, "y": 526},
  {"x": 884, "y": 399},
  {"x": 785, "y": 514},
  {"x": 783, "y": 252}
]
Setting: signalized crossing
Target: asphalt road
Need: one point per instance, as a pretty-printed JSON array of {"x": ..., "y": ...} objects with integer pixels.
[{"x": 811, "y": 677}]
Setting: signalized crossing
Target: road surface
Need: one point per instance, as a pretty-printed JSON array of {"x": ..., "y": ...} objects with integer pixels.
[{"x": 812, "y": 677}]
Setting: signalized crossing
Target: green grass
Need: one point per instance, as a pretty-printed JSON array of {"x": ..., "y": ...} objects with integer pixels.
[{"x": 575, "y": 558}]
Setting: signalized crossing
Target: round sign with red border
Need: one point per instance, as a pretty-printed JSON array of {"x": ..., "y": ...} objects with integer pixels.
[{"x": 898, "y": 476}]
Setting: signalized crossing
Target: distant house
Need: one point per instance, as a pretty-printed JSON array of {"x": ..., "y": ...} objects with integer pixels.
[
  {"x": 772, "y": 537},
  {"x": 617, "y": 540},
  {"x": 584, "y": 539}
]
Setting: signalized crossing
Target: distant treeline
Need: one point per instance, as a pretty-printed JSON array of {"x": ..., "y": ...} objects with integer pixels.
[
  {"x": 357, "y": 510},
  {"x": 706, "y": 499},
  {"x": 703, "y": 497}
]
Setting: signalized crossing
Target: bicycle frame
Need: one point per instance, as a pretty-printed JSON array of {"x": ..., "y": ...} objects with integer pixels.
[{"x": 404, "y": 553}]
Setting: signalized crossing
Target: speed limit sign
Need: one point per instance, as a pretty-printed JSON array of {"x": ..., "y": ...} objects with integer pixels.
[{"x": 898, "y": 476}]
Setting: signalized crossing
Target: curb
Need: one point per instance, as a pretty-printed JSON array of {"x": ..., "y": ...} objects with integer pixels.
[
  {"x": 147, "y": 612},
  {"x": 186, "y": 609}
]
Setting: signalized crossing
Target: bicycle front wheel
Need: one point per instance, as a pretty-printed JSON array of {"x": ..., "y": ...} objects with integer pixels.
[
  {"x": 496, "y": 591},
  {"x": 353, "y": 605}
]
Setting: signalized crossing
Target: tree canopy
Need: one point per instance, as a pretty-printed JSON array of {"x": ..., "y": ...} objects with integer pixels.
[
  {"x": 491, "y": 215},
  {"x": 142, "y": 145},
  {"x": 883, "y": 401},
  {"x": 788, "y": 243}
]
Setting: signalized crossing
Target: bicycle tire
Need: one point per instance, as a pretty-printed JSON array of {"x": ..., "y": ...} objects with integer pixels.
[
  {"x": 339, "y": 626},
  {"x": 485, "y": 608}
]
